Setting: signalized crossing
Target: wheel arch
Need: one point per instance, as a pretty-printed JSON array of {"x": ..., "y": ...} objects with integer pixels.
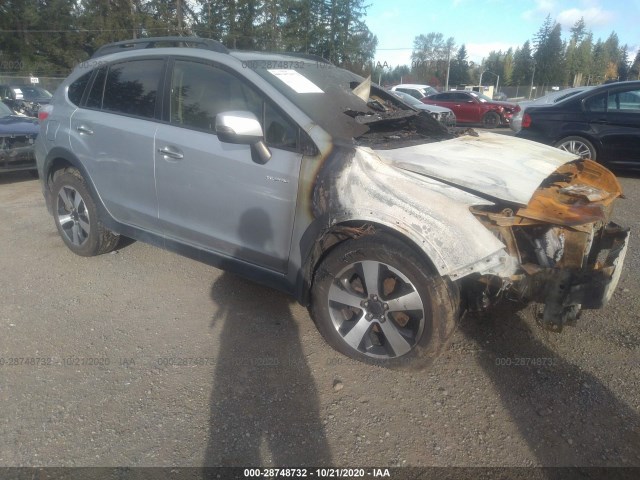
[
  {"x": 58, "y": 159},
  {"x": 580, "y": 133},
  {"x": 318, "y": 242}
]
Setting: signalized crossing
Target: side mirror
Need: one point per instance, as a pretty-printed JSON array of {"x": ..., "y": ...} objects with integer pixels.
[{"x": 243, "y": 128}]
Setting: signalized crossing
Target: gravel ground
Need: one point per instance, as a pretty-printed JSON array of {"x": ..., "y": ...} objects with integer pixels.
[{"x": 101, "y": 383}]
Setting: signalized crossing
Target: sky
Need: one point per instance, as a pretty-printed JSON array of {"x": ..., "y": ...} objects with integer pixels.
[{"x": 485, "y": 25}]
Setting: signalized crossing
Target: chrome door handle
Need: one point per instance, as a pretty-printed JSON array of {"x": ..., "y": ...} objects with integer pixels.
[
  {"x": 171, "y": 152},
  {"x": 85, "y": 130}
]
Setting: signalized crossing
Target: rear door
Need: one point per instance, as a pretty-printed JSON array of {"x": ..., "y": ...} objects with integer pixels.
[
  {"x": 211, "y": 194},
  {"x": 113, "y": 135},
  {"x": 621, "y": 132}
]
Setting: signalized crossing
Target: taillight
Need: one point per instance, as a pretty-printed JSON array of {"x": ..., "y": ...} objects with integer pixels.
[
  {"x": 526, "y": 120},
  {"x": 44, "y": 112},
  {"x": 517, "y": 109}
]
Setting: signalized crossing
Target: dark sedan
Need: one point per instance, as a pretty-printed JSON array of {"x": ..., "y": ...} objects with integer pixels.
[
  {"x": 17, "y": 135},
  {"x": 474, "y": 107},
  {"x": 602, "y": 124}
]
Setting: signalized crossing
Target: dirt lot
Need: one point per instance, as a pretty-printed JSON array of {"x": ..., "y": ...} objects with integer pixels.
[{"x": 145, "y": 358}]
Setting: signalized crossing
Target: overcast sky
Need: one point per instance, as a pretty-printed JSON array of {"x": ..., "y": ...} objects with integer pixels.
[{"x": 485, "y": 25}]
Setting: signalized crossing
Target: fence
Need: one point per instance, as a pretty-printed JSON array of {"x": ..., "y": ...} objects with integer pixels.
[
  {"x": 525, "y": 92},
  {"x": 48, "y": 83}
]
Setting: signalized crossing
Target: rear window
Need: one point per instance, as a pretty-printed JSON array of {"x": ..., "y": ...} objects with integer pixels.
[{"x": 76, "y": 89}]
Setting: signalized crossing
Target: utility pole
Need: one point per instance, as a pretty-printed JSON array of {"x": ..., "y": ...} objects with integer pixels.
[{"x": 532, "y": 75}]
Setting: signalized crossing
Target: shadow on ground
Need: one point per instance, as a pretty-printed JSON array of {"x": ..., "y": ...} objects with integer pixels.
[
  {"x": 264, "y": 403},
  {"x": 567, "y": 416}
]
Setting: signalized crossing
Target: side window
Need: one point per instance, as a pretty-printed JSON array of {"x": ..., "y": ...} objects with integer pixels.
[
  {"x": 76, "y": 89},
  {"x": 279, "y": 132},
  {"x": 628, "y": 101},
  {"x": 199, "y": 92},
  {"x": 461, "y": 97},
  {"x": 94, "y": 100},
  {"x": 132, "y": 87},
  {"x": 597, "y": 103}
]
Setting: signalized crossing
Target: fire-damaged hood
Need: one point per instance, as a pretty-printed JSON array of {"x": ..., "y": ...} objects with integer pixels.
[{"x": 490, "y": 165}]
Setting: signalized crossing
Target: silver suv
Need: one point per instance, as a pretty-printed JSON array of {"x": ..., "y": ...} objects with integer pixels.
[{"x": 310, "y": 179}]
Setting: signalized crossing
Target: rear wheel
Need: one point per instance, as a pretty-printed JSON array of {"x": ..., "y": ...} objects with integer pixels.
[
  {"x": 375, "y": 299},
  {"x": 491, "y": 120},
  {"x": 76, "y": 216},
  {"x": 578, "y": 146}
]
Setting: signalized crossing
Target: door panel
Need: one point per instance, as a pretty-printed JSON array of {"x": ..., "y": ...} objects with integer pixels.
[
  {"x": 113, "y": 137},
  {"x": 212, "y": 194}
]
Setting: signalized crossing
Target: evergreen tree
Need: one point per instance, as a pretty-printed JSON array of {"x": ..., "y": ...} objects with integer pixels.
[
  {"x": 459, "y": 71},
  {"x": 522, "y": 65}
]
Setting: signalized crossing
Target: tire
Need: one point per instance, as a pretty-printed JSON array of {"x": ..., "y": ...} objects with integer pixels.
[
  {"x": 577, "y": 145},
  {"x": 386, "y": 331},
  {"x": 76, "y": 216},
  {"x": 491, "y": 120}
]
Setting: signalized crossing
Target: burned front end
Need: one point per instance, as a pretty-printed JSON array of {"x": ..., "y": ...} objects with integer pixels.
[{"x": 569, "y": 253}]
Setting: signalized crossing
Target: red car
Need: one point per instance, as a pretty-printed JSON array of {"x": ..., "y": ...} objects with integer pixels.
[{"x": 474, "y": 107}]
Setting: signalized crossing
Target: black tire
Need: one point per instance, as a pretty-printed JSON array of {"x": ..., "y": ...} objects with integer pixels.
[
  {"x": 577, "y": 145},
  {"x": 491, "y": 120},
  {"x": 76, "y": 216},
  {"x": 406, "y": 327}
]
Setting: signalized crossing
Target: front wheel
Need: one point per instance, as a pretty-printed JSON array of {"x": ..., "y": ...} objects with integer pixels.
[
  {"x": 376, "y": 300},
  {"x": 76, "y": 216},
  {"x": 491, "y": 120},
  {"x": 578, "y": 146}
]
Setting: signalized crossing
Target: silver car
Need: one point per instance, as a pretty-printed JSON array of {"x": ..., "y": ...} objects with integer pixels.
[
  {"x": 442, "y": 114},
  {"x": 308, "y": 178}
]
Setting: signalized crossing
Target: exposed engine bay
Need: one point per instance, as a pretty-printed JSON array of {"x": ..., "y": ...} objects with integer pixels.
[{"x": 563, "y": 241}]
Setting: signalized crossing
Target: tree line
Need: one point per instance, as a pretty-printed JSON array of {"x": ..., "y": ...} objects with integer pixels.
[
  {"x": 49, "y": 37},
  {"x": 547, "y": 60}
]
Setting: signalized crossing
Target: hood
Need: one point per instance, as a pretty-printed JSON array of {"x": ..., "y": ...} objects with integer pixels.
[
  {"x": 504, "y": 104},
  {"x": 18, "y": 125},
  {"x": 490, "y": 165}
]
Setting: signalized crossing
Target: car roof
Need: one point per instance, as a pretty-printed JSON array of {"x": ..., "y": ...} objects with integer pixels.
[{"x": 412, "y": 85}]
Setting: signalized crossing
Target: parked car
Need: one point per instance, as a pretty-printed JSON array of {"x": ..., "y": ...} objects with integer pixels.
[
  {"x": 602, "y": 124},
  {"x": 474, "y": 107},
  {"x": 416, "y": 90},
  {"x": 308, "y": 178},
  {"x": 442, "y": 114},
  {"x": 17, "y": 136},
  {"x": 549, "y": 99},
  {"x": 25, "y": 99}
]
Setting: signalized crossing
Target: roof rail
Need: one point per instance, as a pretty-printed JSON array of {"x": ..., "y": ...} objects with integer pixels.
[{"x": 159, "y": 42}]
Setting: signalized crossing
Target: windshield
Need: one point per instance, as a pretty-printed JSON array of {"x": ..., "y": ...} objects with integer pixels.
[
  {"x": 481, "y": 97},
  {"x": 322, "y": 91},
  {"x": 4, "y": 110},
  {"x": 408, "y": 98}
]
